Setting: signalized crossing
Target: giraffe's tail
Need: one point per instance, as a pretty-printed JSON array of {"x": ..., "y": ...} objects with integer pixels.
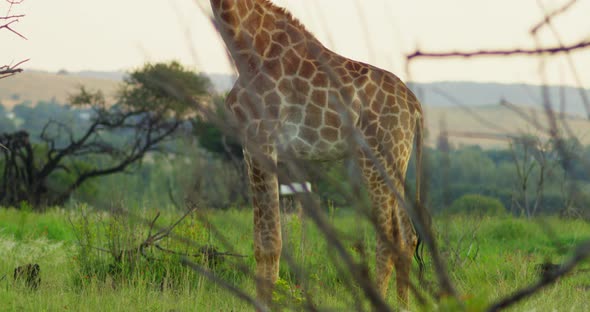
[{"x": 419, "y": 208}]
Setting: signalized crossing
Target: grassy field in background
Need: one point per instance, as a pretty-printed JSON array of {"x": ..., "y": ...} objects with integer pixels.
[{"x": 488, "y": 258}]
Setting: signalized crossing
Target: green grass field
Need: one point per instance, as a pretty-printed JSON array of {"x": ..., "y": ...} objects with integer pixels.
[{"x": 488, "y": 258}]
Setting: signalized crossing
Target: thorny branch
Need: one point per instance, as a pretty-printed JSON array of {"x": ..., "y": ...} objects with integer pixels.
[
  {"x": 10, "y": 19},
  {"x": 14, "y": 19},
  {"x": 9, "y": 70},
  {"x": 570, "y": 61},
  {"x": 560, "y": 48},
  {"x": 511, "y": 52}
]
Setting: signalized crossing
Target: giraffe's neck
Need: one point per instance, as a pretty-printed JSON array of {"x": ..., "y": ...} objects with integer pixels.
[{"x": 256, "y": 31}]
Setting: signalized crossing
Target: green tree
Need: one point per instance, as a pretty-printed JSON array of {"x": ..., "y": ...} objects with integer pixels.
[
  {"x": 212, "y": 138},
  {"x": 152, "y": 107}
]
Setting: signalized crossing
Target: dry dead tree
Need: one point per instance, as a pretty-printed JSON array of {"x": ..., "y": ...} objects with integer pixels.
[{"x": 6, "y": 22}]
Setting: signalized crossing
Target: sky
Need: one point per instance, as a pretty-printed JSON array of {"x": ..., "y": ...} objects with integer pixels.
[{"x": 115, "y": 35}]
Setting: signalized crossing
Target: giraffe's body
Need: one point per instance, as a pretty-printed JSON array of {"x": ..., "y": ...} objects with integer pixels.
[{"x": 295, "y": 96}]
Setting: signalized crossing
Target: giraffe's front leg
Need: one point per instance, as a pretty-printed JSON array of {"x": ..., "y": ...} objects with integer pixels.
[{"x": 267, "y": 225}]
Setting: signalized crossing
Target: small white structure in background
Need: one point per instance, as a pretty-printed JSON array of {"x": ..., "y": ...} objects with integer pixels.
[
  {"x": 11, "y": 115},
  {"x": 290, "y": 203},
  {"x": 84, "y": 116},
  {"x": 294, "y": 188}
]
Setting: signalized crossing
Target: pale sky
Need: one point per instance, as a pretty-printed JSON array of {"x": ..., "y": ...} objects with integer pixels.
[{"x": 110, "y": 35}]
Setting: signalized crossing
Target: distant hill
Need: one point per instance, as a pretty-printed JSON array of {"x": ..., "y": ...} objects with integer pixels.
[
  {"x": 116, "y": 76},
  {"x": 467, "y": 108},
  {"x": 490, "y": 126},
  {"x": 33, "y": 86},
  {"x": 478, "y": 94},
  {"x": 436, "y": 94},
  {"x": 460, "y": 93}
]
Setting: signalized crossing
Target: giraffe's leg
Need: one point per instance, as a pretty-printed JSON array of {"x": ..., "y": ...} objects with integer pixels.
[
  {"x": 383, "y": 218},
  {"x": 267, "y": 226},
  {"x": 395, "y": 236},
  {"x": 404, "y": 239},
  {"x": 386, "y": 232},
  {"x": 403, "y": 260}
]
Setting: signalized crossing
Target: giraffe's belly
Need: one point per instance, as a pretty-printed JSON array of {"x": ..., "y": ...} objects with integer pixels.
[{"x": 304, "y": 142}]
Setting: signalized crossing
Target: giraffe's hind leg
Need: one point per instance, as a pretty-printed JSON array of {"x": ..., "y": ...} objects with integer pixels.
[
  {"x": 403, "y": 260},
  {"x": 382, "y": 217},
  {"x": 267, "y": 226},
  {"x": 404, "y": 236},
  {"x": 395, "y": 236}
]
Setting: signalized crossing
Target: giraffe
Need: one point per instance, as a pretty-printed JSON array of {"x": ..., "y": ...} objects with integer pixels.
[{"x": 295, "y": 96}]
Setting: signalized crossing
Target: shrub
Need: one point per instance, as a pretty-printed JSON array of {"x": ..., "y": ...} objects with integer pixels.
[
  {"x": 475, "y": 204},
  {"x": 112, "y": 246}
]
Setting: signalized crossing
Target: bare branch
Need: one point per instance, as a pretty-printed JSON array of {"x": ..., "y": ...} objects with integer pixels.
[
  {"x": 11, "y": 17},
  {"x": 540, "y": 51},
  {"x": 9, "y": 70},
  {"x": 7, "y": 26},
  {"x": 570, "y": 60}
]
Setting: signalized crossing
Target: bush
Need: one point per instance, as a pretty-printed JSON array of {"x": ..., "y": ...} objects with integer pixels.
[
  {"x": 110, "y": 247},
  {"x": 475, "y": 204}
]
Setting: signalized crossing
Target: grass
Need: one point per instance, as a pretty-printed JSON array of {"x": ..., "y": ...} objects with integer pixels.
[{"x": 488, "y": 258}]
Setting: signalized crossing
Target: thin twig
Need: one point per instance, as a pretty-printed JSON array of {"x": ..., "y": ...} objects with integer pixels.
[
  {"x": 11, "y": 17},
  {"x": 9, "y": 70},
  {"x": 7, "y": 26},
  {"x": 570, "y": 60},
  {"x": 552, "y": 15},
  {"x": 6, "y": 70}
]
